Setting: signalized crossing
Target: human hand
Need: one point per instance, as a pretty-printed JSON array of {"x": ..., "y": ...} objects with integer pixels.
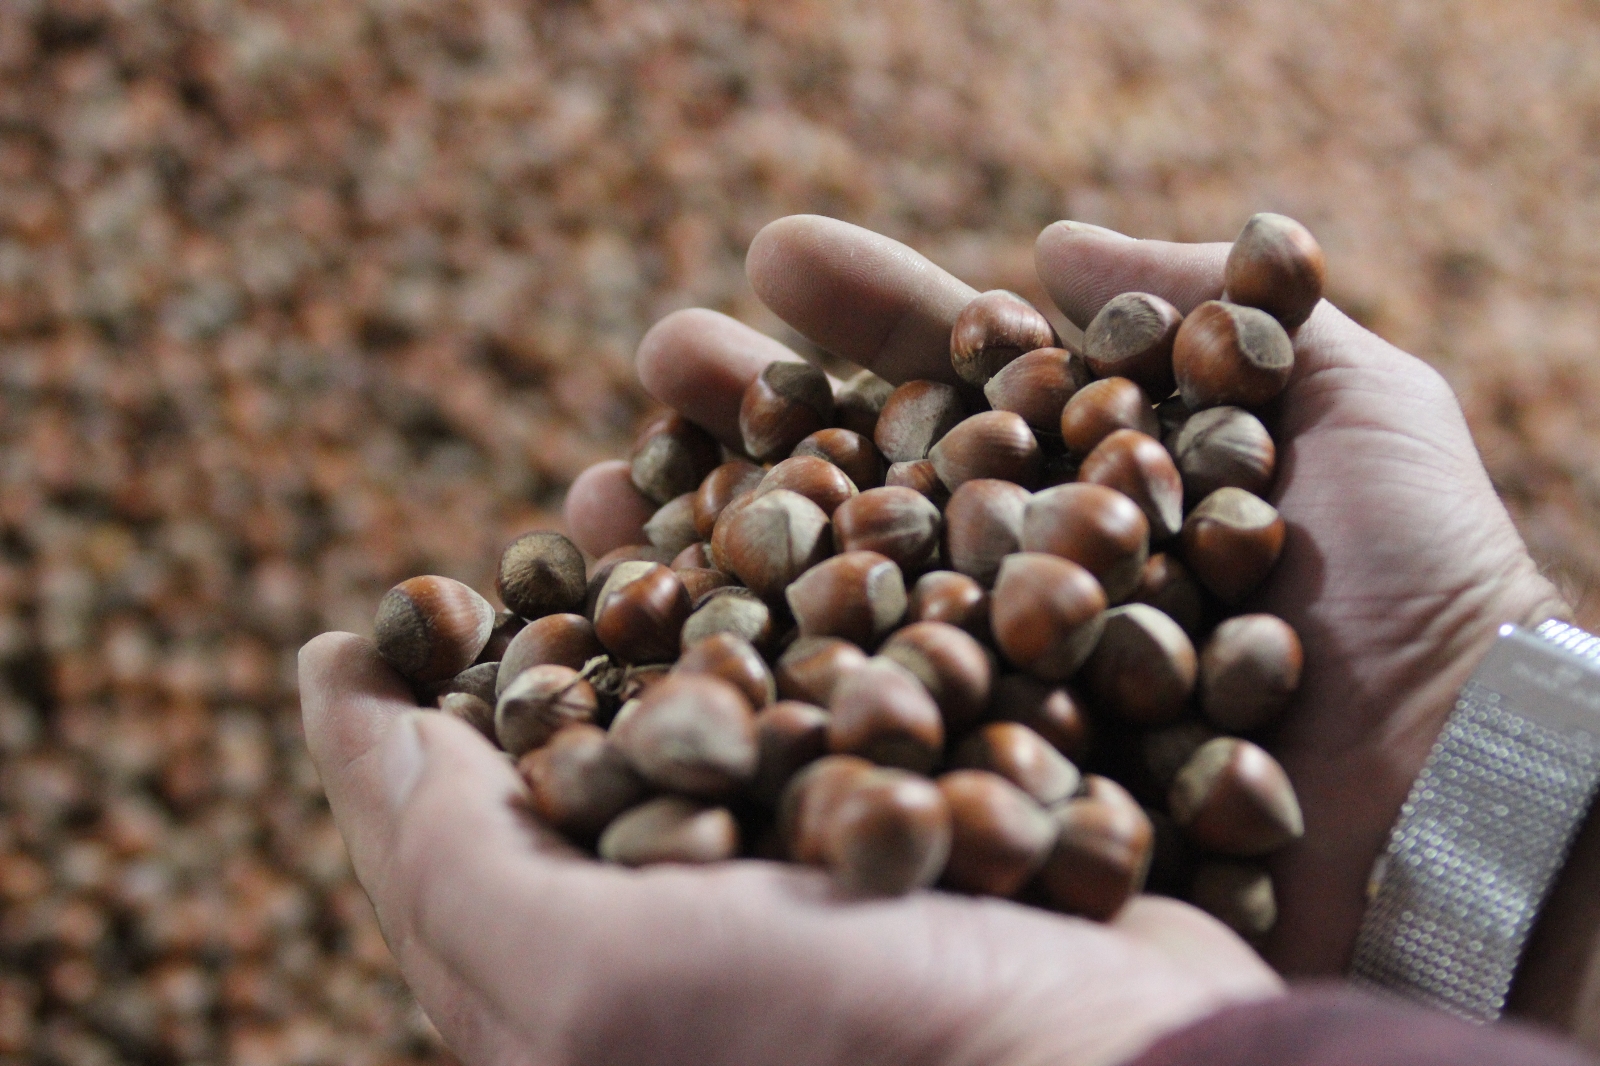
[
  {"x": 1400, "y": 561},
  {"x": 1399, "y": 567},
  {"x": 521, "y": 950}
]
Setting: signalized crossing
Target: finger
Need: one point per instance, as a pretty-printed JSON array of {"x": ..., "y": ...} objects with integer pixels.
[
  {"x": 1199, "y": 944},
  {"x": 1082, "y": 267},
  {"x": 698, "y": 363},
  {"x": 375, "y": 750},
  {"x": 476, "y": 885},
  {"x": 604, "y": 510},
  {"x": 860, "y": 295},
  {"x": 350, "y": 703}
]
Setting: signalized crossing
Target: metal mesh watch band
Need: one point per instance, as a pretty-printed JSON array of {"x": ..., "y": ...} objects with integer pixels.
[{"x": 1487, "y": 825}]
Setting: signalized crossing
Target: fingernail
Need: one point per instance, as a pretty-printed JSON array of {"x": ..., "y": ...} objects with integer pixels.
[
  {"x": 402, "y": 760},
  {"x": 1091, "y": 229}
]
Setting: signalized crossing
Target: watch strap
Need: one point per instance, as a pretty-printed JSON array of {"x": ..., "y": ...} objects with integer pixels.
[{"x": 1487, "y": 825}]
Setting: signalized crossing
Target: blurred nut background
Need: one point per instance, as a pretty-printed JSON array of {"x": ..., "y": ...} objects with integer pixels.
[{"x": 298, "y": 300}]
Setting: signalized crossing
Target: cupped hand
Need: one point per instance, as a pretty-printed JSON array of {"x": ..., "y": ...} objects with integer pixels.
[
  {"x": 522, "y": 951},
  {"x": 1400, "y": 563}
]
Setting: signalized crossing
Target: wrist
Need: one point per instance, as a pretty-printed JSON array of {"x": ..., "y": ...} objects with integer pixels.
[
  {"x": 1490, "y": 876},
  {"x": 1352, "y": 787}
]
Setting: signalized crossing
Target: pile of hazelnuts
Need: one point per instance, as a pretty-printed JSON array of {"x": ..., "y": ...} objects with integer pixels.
[{"x": 973, "y": 636}]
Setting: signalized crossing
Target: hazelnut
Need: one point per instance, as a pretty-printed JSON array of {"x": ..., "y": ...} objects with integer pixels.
[
  {"x": 640, "y": 612},
  {"x": 786, "y": 403},
  {"x": 1101, "y": 408},
  {"x": 913, "y": 419},
  {"x": 721, "y": 487},
  {"x": 954, "y": 668},
  {"x": 1249, "y": 671},
  {"x": 920, "y": 476},
  {"x": 851, "y": 452},
  {"x": 506, "y": 626},
  {"x": 691, "y": 733},
  {"x": 1102, "y": 853},
  {"x": 1052, "y": 711},
  {"x": 1164, "y": 751},
  {"x": 1228, "y": 354},
  {"x": 697, "y": 581},
  {"x": 992, "y": 330},
  {"x": 696, "y": 556},
  {"x": 1277, "y": 265},
  {"x": 670, "y": 457},
  {"x": 473, "y": 710},
  {"x": 994, "y": 444},
  {"x": 734, "y": 660},
  {"x": 717, "y": 546},
  {"x": 858, "y": 402},
  {"x": 999, "y": 835},
  {"x": 1222, "y": 447},
  {"x": 578, "y": 782},
  {"x": 946, "y": 596},
  {"x": 562, "y": 639},
  {"x": 1096, "y": 527},
  {"x": 1231, "y": 541},
  {"x": 671, "y": 528},
  {"x": 1166, "y": 584},
  {"x": 1141, "y": 469},
  {"x": 897, "y": 522},
  {"x": 983, "y": 525},
  {"x": 541, "y": 573},
  {"x": 432, "y": 628},
  {"x": 789, "y": 736},
  {"x": 859, "y": 596},
  {"x": 478, "y": 679},
  {"x": 816, "y": 479},
  {"x": 881, "y": 712},
  {"x": 811, "y": 667},
  {"x": 1037, "y": 386},
  {"x": 1046, "y": 614},
  {"x": 808, "y": 802},
  {"x": 888, "y": 833},
  {"x": 539, "y": 701},
  {"x": 773, "y": 539},
  {"x": 1237, "y": 894},
  {"x": 1132, "y": 338},
  {"x": 1023, "y": 758},
  {"x": 1234, "y": 798},
  {"x": 603, "y": 567},
  {"x": 731, "y": 609},
  {"x": 670, "y": 829},
  {"x": 1143, "y": 667}
]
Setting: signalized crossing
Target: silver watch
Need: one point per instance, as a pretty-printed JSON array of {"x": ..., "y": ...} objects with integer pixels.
[{"x": 1487, "y": 827}]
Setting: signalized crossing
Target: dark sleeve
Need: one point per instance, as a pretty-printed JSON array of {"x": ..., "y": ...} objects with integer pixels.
[{"x": 1332, "y": 1025}]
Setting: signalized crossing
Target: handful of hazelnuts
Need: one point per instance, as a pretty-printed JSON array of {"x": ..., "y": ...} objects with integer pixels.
[{"x": 975, "y": 637}]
